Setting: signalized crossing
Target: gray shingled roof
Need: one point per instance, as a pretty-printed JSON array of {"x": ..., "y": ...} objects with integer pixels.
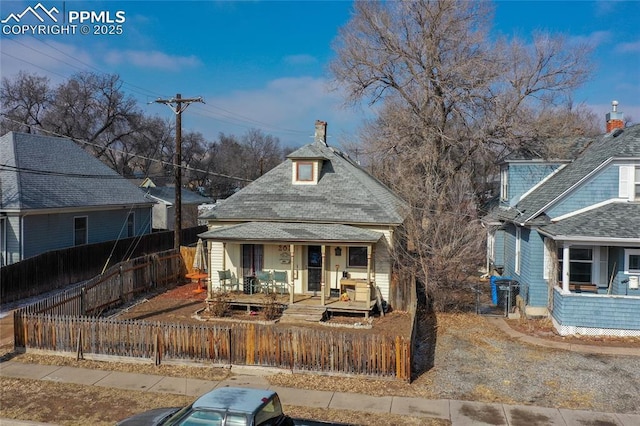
[
  {"x": 168, "y": 194},
  {"x": 293, "y": 232},
  {"x": 625, "y": 145},
  {"x": 612, "y": 221},
  {"x": 43, "y": 172},
  {"x": 345, "y": 193}
]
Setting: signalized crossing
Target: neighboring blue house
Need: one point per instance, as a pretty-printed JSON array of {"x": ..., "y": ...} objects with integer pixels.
[
  {"x": 569, "y": 233},
  {"x": 54, "y": 195}
]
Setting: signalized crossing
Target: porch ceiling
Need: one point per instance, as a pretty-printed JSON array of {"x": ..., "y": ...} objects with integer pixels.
[{"x": 292, "y": 232}]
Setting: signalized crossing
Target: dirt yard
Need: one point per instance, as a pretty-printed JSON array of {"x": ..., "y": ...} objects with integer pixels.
[{"x": 182, "y": 303}]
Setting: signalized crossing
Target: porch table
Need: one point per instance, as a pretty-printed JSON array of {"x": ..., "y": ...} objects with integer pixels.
[{"x": 198, "y": 277}]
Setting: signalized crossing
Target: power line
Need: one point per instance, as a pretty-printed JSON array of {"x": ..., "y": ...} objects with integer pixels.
[
  {"x": 115, "y": 150},
  {"x": 178, "y": 105}
]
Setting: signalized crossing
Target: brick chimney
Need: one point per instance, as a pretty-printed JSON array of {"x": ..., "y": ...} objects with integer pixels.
[
  {"x": 615, "y": 119},
  {"x": 321, "y": 132}
]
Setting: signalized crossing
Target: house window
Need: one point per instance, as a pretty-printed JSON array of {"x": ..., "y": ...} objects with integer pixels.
[
  {"x": 632, "y": 261},
  {"x": 504, "y": 183},
  {"x": 636, "y": 184},
  {"x": 580, "y": 264},
  {"x": 304, "y": 172},
  {"x": 80, "y": 230},
  {"x": 357, "y": 257},
  {"x": 518, "y": 249},
  {"x": 131, "y": 229}
]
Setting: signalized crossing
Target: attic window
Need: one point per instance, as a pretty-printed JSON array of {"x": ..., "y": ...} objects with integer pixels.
[{"x": 304, "y": 171}]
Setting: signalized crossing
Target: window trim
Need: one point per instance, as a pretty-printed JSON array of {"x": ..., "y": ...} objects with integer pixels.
[
  {"x": 518, "y": 250},
  {"x": 635, "y": 185},
  {"x": 504, "y": 183},
  {"x": 304, "y": 163},
  {"x": 86, "y": 230},
  {"x": 366, "y": 257},
  {"x": 627, "y": 254},
  {"x": 594, "y": 262},
  {"x": 131, "y": 224}
]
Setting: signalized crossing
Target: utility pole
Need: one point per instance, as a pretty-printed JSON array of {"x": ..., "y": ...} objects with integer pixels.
[{"x": 177, "y": 105}]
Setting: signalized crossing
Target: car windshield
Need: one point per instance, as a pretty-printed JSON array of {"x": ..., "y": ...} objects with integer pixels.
[{"x": 189, "y": 417}]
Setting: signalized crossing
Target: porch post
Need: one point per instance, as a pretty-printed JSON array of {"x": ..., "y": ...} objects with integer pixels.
[
  {"x": 293, "y": 281},
  {"x": 322, "y": 284},
  {"x": 369, "y": 264},
  {"x": 566, "y": 265}
]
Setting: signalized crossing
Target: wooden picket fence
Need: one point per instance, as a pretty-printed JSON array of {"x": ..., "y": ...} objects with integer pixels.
[
  {"x": 70, "y": 323},
  {"x": 293, "y": 348}
]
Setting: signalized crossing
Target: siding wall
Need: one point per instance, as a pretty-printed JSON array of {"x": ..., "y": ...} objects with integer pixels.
[
  {"x": 537, "y": 286},
  {"x": 600, "y": 188},
  {"x": 522, "y": 177},
  {"x": 47, "y": 232},
  {"x": 533, "y": 286},
  {"x": 596, "y": 314}
]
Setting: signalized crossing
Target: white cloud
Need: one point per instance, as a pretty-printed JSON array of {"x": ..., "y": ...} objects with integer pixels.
[
  {"x": 594, "y": 39},
  {"x": 631, "y": 47},
  {"x": 285, "y": 107},
  {"x": 302, "y": 59},
  {"x": 151, "y": 59},
  {"x": 57, "y": 61}
]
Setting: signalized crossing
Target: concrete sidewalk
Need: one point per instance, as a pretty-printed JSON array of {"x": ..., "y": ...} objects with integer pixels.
[{"x": 461, "y": 413}]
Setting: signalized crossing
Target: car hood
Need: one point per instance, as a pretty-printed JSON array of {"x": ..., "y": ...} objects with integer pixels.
[{"x": 148, "y": 418}]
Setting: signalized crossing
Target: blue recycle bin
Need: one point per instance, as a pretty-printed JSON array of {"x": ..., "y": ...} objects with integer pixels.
[
  {"x": 494, "y": 290},
  {"x": 495, "y": 299}
]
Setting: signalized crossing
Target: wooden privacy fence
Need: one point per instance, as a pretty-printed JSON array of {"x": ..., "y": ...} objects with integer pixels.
[
  {"x": 294, "y": 348},
  {"x": 118, "y": 285},
  {"x": 60, "y": 268}
]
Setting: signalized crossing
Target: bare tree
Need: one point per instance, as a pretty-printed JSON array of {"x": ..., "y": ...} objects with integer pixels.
[
  {"x": 93, "y": 108},
  {"x": 262, "y": 153},
  {"x": 23, "y": 101},
  {"x": 452, "y": 100}
]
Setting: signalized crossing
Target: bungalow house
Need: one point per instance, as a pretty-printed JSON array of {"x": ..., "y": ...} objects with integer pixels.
[
  {"x": 318, "y": 217},
  {"x": 569, "y": 234},
  {"x": 164, "y": 208},
  {"x": 53, "y": 195}
]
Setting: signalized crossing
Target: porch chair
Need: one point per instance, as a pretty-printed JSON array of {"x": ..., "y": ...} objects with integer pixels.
[
  {"x": 227, "y": 281},
  {"x": 264, "y": 280},
  {"x": 280, "y": 282}
]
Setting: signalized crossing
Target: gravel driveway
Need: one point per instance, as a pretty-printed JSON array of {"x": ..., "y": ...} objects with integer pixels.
[{"x": 476, "y": 361}]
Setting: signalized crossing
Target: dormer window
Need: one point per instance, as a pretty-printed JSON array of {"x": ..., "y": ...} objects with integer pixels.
[{"x": 304, "y": 171}]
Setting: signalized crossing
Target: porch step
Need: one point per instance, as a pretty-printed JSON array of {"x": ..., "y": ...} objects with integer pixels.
[{"x": 299, "y": 313}]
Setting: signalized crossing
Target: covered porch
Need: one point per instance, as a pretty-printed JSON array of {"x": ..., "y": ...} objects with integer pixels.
[{"x": 327, "y": 265}]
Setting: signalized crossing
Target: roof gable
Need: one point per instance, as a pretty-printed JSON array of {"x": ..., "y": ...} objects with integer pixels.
[
  {"x": 344, "y": 193},
  {"x": 43, "y": 172},
  {"x": 610, "y": 146}
]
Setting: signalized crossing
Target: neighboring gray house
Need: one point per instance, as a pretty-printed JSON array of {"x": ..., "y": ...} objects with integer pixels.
[
  {"x": 53, "y": 195},
  {"x": 164, "y": 208},
  {"x": 315, "y": 216},
  {"x": 571, "y": 236}
]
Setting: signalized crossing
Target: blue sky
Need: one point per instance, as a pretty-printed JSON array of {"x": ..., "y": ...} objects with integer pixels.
[{"x": 263, "y": 64}]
